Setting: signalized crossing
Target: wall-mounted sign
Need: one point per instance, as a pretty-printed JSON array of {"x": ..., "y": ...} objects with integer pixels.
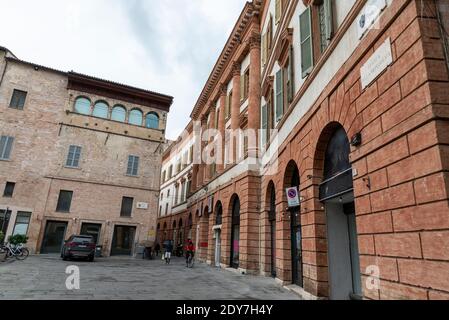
[
  {"x": 142, "y": 205},
  {"x": 293, "y": 197},
  {"x": 369, "y": 14},
  {"x": 378, "y": 62}
]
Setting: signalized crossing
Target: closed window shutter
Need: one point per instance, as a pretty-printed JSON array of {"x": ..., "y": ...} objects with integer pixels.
[
  {"x": 264, "y": 49},
  {"x": 279, "y": 96},
  {"x": 290, "y": 83},
  {"x": 306, "y": 42},
  {"x": 269, "y": 33},
  {"x": 277, "y": 13}
]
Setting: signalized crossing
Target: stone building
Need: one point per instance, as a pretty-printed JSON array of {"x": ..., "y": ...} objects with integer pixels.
[
  {"x": 78, "y": 155},
  {"x": 349, "y": 100}
]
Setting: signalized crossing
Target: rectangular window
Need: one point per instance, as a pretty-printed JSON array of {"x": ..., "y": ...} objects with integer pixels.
[
  {"x": 64, "y": 201},
  {"x": 191, "y": 154},
  {"x": 9, "y": 189},
  {"x": 170, "y": 172},
  {"x": 5, "y": 147},
  {"x": 127, "y": 207},
  {"x": 244, "y": 86},
  {"x": 164, "y": 174},
  {"x": 278, "y": 11},
  {"x": 305, "y": 24},
  {"x": 18, "y": 99},
  {"x": 22, "y": 223},
  {"x": 325, "y": 18},
  {"x": 73, "y": 158},
  {"x": 264, "y": 50},
  {"x": 279, "y": 96},
  {"x": 290, "y": 77},
  {"x": 270, "y": 34},
  {"x": 133, "y": 166},
  {"x": 228, "y": 106}
]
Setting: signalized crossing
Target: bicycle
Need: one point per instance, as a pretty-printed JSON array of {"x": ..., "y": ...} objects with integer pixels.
[{"x": 18, "y": 251}]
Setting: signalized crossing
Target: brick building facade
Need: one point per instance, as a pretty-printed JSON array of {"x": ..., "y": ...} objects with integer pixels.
[
  {"x": 351, "y": 99},
  {"x": 79, "y": 155}
]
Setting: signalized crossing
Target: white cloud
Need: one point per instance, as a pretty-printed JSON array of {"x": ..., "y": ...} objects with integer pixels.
[{"x": 166, "y": 46}]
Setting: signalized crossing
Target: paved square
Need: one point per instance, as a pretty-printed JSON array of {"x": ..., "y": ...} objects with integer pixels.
[{"x": 43, "y": 277}]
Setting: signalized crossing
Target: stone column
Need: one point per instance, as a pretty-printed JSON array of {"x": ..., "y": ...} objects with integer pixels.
[
  {"x": 235, "y": 110},
  {"x": 222, "y": 127},
  {"x": 254, "y": 93}
]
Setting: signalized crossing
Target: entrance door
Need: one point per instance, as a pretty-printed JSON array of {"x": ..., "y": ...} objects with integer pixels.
[
  {"x": 217, "y": 247},
  {"x": 91, "y": 229},
  {"x": 123, "y": 240},
  {"x": 54, "y": 237},
  {"x": 296, "y": 248},
  {"x": 344, "y": 266}
]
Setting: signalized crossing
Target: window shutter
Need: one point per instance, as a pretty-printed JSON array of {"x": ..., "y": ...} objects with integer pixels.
[
  {"x": 290, "y": 86},
  {"x": 279, "y": 96},
  {"x": 306, "y": 42},
  {"x": 269, "y": 33},
  {"x": 277, "y": 13}
]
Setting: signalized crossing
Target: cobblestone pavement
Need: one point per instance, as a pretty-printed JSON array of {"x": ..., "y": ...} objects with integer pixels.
[{"x": 43, "y": 278}]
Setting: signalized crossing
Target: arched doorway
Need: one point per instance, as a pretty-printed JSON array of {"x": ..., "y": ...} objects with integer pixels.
[
  {"x": 336, "y": 192},
  {"x": 271, "y": 195},
  {"x": 217, "y": 232},
  {"x": 291, "y": 179},
  {"x": 235, "y": 232}
]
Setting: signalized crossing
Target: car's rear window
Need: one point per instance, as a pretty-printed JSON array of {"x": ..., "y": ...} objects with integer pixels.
[{"x": 82, "y": 239}]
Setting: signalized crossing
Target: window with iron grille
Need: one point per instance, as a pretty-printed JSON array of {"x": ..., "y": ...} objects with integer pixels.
[
  {"x": 18, "y": 99},
  {"x": 73, "y": 158},
  {"x": 5, "y": 147},
  {"x": 133, "y": 166},
  {"x": 127, "y": 207}
]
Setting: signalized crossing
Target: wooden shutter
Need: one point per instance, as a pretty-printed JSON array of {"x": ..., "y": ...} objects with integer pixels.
[
  {"x": 328, "y": 20},
  {"x": 279, "y": 96},
  {"x": 269, "y": 34},
  {"x": 291, "y": 77},
  {"x": 305, "y": 24}
]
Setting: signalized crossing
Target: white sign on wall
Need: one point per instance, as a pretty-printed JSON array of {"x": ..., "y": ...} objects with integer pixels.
[
  {"x": 142, "y": 205},
  {"x": 369, "y": 14},
  {"x": 293, "y": 197},
  {"x": 379, "y": 61}
]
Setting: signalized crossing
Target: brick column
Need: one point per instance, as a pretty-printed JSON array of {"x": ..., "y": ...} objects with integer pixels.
[
  {"x": 221, "y": 127},
  {"x": 235, "y": 109},
  {"x": 254, "y": 93}
]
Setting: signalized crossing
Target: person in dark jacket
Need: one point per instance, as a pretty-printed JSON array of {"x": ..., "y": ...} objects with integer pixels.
[{"x": 168, "y": 252}]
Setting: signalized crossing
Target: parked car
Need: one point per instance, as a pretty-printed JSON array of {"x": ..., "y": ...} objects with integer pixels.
[{"x": 79, "y": 246}]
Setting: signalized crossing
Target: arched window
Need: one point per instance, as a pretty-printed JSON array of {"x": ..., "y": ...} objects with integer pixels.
[
  {"x": 152, "y": 121},
  {"x": 136, "y": 117},
  {"x": 82, "y": 105},
  {"x": 101, "y": 110},
  {"x": 118, "y": 113}
]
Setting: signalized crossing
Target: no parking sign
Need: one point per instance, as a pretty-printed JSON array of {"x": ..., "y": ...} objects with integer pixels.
[{"x": 293, "y": 197}]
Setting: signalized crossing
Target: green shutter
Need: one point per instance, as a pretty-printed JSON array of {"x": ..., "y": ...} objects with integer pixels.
[
  {"x": 305, "y": 24},
  {"x": 279, "y": 96}
]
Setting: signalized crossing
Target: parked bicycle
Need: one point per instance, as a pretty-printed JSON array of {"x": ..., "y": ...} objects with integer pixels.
[{"x": 18, "y": 251}]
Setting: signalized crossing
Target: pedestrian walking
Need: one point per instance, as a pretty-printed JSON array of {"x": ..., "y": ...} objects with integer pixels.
[{"x": 168, "y": 252}]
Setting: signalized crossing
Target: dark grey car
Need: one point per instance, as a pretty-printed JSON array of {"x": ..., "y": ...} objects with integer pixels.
[{"x": 79, "y": 247}]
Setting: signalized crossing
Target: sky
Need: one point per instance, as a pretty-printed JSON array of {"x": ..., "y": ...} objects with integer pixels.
[{"x": 167, "y": 46}]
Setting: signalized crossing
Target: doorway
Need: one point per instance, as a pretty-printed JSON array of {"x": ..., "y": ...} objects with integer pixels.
[
  {"x": 91, "y": 229},
  {"x": 217, "y": 247},
  {"x": 54, "y": 237},
  {"x": 336, "y": 193},
  {"x": 235, "y": 234},
  {"x": 123, "y": 240}
]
